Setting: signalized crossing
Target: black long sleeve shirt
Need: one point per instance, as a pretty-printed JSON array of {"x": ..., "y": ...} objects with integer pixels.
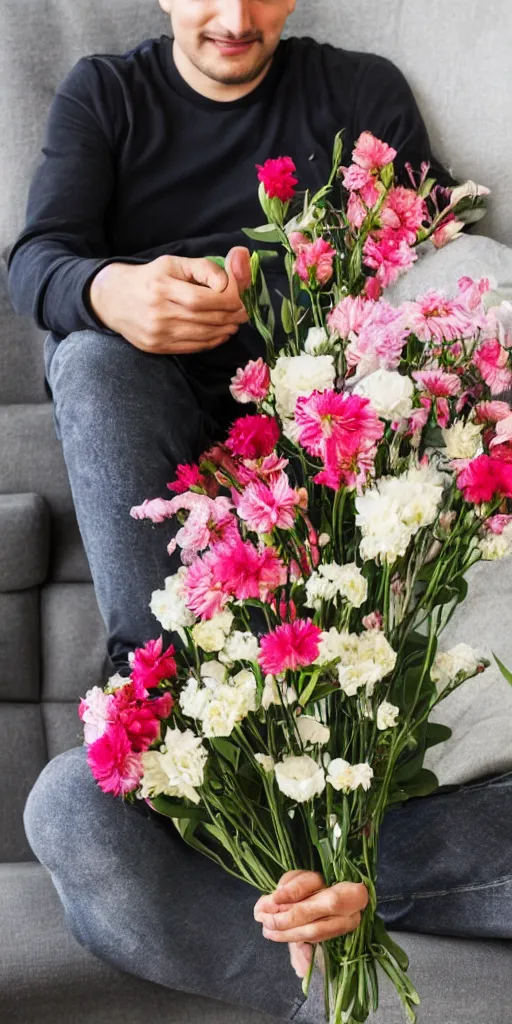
[{"x": 136, "y": 163}]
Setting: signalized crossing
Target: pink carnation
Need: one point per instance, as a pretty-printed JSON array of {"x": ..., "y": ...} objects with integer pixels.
[
  {"x": 244, "y": 571},
  {"x": 314, "y": 262},
  {"x": 471, "y": 291},
  {"x": 253, "y": 437},
  {"x": 187, "y": 476},
  {"x": 251, "y": 383},
  {"x": 492, "y": 362},
  {"x": 149, "y": 666},
  {"x": 403, "y": 211},
  {"x": 433, "y": 317},
  {"x": 496, "y": 524},
  {"x": 355, "y": 177},
  {"x": 266, "y": 506},
  {"x": 356, "y": 211},
  {"x": 503, "y": 433},
  {"x": 389, "y": 256},
  {"x": 156, "y": 509},
  {"x": 140, "y": 718},
  {"x": 373, "y": 621},
  {"x": 94, "y": 712},
  {"x": 348, "y": 462},
  {"x": 277, "y": 177},
  {"x": 437, "y": 383},
  {"x": 372, "y": 153},
  {"x": 115, "y": 766},
  {"x": 290, "y": 646},
  {"x": 203, "y": 590},
  {"x": 484, "y": 478},
  {"x": 298, "y": 240},
  {"x": 447, "y": 231},
  {"x": 381, "y": 339},
  {"x": 209, "y": 521},
  {"x": 491, "y": 412},
  {"x": 325, "y": 414},
  {"x": 350, "y": 315},
  {"x": 268, "y": 469}
]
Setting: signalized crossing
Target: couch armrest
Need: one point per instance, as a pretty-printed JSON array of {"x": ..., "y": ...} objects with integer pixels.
[{"x": 24, "y": 541}]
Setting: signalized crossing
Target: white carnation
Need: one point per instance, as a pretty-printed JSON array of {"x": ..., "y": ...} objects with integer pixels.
[
  {"x": 339, "y": 774},
  {"x": 316, "y": 341},
  {"x": 240, "y": 646},
  {"x": 177, "y": 772},
  {"x": 194, "y": 699},
  {"x": 390, "y": 393},
  {"x": 312, "y": 731},
  {"x": 213, "y": 674},
  {"x": 459, "y": 660},
  {"x": 331, "y": 580},
  {"x": 293, "y": 376},
  {"x": 387, "y": 715},
  {"x": 391, "y": 512},
  {"x": 496, "y": 545},
  {"x": 168, "y": 605},
  {"x": 362, "y": 775},
  {"x": 266, "y": 762},
  {"x": 229, "y": 704},
  {"x": 300, "y": 778},
  {"x": 463, "y": 440},
  {"x": 335, "y": 645},
  {"x": 271, "y": 693},
  {"x": 361, "y": 673},
  {"x": 211, "y": 633}
]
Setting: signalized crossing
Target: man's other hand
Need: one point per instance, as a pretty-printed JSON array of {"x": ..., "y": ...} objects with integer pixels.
[
  {"x": 174, "y": 305},
  {"x": 307, "y": 911}
]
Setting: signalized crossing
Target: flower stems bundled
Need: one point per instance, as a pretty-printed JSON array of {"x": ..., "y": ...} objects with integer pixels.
[{"x": 325, "y": 546}]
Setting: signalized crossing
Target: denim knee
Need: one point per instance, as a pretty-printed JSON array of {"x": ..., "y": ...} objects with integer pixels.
[{"x": 57, "y": 806}]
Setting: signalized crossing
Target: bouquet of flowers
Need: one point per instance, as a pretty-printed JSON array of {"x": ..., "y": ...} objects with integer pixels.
[{"x": 324, "y": 546}]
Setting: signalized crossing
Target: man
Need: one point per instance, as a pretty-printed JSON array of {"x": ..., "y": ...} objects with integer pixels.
[{"x": 148, "y": 168}]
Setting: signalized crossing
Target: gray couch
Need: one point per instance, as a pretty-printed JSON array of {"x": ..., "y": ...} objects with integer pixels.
[{"x": 52, "y": 643}]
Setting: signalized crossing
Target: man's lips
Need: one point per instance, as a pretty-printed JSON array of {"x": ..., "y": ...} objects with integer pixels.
[{"x": 225, "y": 46}]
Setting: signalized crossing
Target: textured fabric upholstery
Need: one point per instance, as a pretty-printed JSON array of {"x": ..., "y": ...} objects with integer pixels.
[{"x": 52, "y": 641}]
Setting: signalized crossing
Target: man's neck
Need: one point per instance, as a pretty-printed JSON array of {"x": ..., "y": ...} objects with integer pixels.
[{"x": 209, "y": 87}]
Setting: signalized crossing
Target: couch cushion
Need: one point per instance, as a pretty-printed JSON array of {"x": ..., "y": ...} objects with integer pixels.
[
  {"x": 480, "y": 711},
  {"x": 24, "y": 541},
  {"x": 22, "y": 758},
  {"x": 19, "y": 645},
  {"x": 48, "y": 977},
  {"x": 31, "y": 460},
  {"x": 74, "y": 647},
  {"x": 468, "y": 256}
]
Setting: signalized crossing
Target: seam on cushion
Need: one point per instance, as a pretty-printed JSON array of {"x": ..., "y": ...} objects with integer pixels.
[{"x": 447, "y": 892}]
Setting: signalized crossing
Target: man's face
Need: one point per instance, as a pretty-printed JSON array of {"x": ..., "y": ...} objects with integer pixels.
[{"x": 229, "y": 41}]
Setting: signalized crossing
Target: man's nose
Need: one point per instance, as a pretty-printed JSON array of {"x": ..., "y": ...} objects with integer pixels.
[{"x": 236, "y": 17}]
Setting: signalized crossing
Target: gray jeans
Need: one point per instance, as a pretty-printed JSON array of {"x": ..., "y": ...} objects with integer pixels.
[
  {"x": 132, "y": 891},
  {"x": 137, "y": 896}
]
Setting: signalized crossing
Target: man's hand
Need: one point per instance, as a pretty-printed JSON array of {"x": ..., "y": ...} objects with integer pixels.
[
  {"x": 174, "y": 305},
  {"x": 307, "y": 911}
]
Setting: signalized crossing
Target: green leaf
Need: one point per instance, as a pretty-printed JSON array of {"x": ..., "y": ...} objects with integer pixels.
[
  {"x": 265, "y": 233},
  {"x": 308, "y": 692},
  {"x": 424, "y": 783},
  {"x": 437, "y": 733},
  {"x": 426, "y": 188},
  {"x": 506, "y": 673},
  {"x": 171, "y": 809},
  {"x": 381, "y": 935},
  {"x": 267, "y": 254},
  {"x": 433, "y": 438},
  {"x": 227, "y": 749},
  {"x": 286, "y": 316},
  {"x": 409, "y": 769},
  {"x": 219, "y": 260}
]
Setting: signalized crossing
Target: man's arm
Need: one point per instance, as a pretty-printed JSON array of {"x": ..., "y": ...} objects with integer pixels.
[
  {"x": 63, "y": 244},
  {"x": 385, "y": 106}
]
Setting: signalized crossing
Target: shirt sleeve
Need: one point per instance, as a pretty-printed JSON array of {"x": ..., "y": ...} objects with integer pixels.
[
  {"x": 385, "y": 106},
  {"x": 63, "y": 244}
]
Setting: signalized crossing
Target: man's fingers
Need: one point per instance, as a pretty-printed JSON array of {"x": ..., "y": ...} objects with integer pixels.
[
  {"x": 316, "y": 931},
  {"x": 300, "y": 957},
  {"x": 213, "y": 318},
  {"x": 298, "y": 885},
  {"x": 344, "y": 900},
  {"x": 202, "y": 271},
  {"x": 238, "y": 263}
]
